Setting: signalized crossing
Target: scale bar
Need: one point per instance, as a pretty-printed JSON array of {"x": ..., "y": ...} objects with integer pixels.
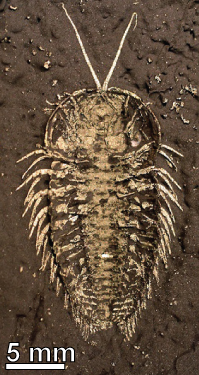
[{"x": 35, "y": 366}]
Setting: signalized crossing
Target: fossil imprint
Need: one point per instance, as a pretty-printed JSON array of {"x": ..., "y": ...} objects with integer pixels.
[{"x": 108, "y": 220}]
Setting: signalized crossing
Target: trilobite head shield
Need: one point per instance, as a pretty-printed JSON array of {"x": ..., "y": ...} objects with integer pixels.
[{"x": 95, "y": 123}]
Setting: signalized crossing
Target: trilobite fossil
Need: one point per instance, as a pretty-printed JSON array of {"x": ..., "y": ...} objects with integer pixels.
[{"x": 108, "y": 218}]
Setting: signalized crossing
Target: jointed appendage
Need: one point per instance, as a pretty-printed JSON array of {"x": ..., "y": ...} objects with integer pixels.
[{"x": 94, "y": 75}]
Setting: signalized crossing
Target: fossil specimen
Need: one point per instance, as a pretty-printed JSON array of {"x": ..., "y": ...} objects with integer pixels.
[{"x": 108, "y": 216}]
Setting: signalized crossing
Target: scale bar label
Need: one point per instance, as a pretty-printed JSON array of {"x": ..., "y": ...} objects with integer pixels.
[{"x": 35, "y": 366}]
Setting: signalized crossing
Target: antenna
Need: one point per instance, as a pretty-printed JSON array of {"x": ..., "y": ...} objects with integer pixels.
[
  {"x": 106, "y": 82},
  {"x": 97, "y": 82}
]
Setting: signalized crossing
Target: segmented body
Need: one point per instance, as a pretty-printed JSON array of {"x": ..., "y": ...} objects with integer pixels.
[{"x": 110, "y": 218}]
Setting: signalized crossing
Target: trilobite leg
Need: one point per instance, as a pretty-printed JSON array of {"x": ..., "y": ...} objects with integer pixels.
[
  {"x": 139, "y": 157},
  {"x": 66, "y": 300},
  {"x": 144, "y": 149},
  {"x": 169, "y": 186},
  {"x": 149, "y": 289},
  {"x": 169, "y": 160},
  {"x": 126, "y": 105},
  {"x": 52, "y": 104},
  {"x": 170, "y": 195},
  {"x": 166, "y": 238},
  {"x": 53, "y": 269},
  {"x": 41, "y": 238},
  {"x": 139, "y": 188},
  {"x": 40, "y": 172},
  {"x": 41, "y": 221},
  {"x": 163, "y": 196},
  {"x": 58, "y": 286},
  {"x": 31, "y": 191},
  {"x": 85, "y": 331},
  {"x": 127, "y": 328},
  {"x": 162, "y": 172},
  {"x": 35, "y": 152},
  {"x": 164, "y": 222},
  {"x": 34, "y": 223},
  {"x": 162, "y": 247},
  {"x": 46, "y": 255},
  {"x": 144, "y": 243},
  {"x": 131, "y": 123},
  {"x": 34, "y": 163},
  {"x": 131, "y": 324},
  {"x": 36, "y": 197},
  {"x": 168, "y": 219},
  {"x": 172, "y": 150},
  {"x": 151, "y": 186},
  {"x": 155, "y": 271},
  {"x": 162, "y": 251}
]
